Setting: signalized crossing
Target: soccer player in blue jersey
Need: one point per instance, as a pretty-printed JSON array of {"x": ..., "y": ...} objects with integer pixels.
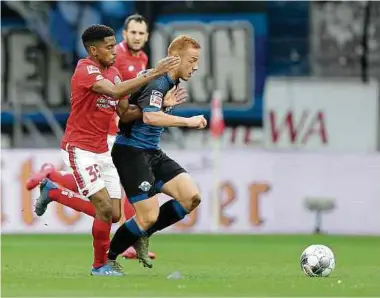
[{"x": 144, "y": 169}]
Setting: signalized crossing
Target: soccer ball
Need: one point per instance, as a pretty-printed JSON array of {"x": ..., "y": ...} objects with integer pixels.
[{"x": 317, "y": 261}]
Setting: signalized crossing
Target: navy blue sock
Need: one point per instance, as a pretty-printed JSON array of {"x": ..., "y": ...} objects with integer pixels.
[
  {"x": 125, "y": 236},
  {"x": 170, "y": 213}
]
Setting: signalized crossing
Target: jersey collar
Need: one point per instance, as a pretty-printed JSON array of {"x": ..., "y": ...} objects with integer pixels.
[
  {"x": 126, "y": 49},
  {"x": 170, "y": 80}
]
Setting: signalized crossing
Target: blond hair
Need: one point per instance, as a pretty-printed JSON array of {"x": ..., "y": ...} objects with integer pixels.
[{"x": 181, "y": 43}]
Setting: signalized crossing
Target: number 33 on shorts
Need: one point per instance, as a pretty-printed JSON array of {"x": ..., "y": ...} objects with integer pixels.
[
  {"x": 94, "y": 172},
  {"x": 88, "y": 169}
]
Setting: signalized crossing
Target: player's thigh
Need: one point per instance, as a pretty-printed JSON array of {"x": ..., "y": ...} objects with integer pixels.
[
  {"x": 86, "y": 170},
  {"x": 135, "y": 173},
  {"x": 110, "y": 175},
  {"x": 184, "y": 189},
  {"x": 176, "y": 182},
  {"x": 164, "y": 169},
  {"x": 147, "y": 212},
  {"x": 111, "y": 180}
]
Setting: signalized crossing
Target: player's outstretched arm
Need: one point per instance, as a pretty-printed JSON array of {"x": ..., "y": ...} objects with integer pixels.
[
  {"x": 161, "y": 119},
  {"x": 127, "y": 87}
]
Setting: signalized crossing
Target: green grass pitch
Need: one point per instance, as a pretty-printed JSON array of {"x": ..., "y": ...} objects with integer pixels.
[{"x": 211, "y": 265}]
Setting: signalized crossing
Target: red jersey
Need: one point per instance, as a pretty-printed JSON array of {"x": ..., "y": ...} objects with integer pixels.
[
  {"x": 91, "y": 112},
  {"x": 129, "y": 66}
]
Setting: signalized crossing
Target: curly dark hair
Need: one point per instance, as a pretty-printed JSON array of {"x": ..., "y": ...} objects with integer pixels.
[{"x": 96, "y": 33}]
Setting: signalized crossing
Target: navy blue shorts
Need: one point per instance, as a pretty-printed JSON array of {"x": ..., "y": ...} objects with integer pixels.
[{"x": 143, "y": 172}]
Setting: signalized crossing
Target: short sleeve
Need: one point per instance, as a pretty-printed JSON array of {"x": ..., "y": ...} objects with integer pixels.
[
  {"x": 152, "y": 98},
  {"x": 118, "y": 73},
  {"x": 88, "y": 75}
]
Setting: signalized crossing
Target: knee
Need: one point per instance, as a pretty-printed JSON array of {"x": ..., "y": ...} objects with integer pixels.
[
  {"x": 195, "y": 201},
  {"x": 147, "y": 220},
  {"x": 116, "y": 217},
  {"x": 191, "y": 202},
  {"x": 105, "y": 210},
  {"x": 102, "y": 204}
]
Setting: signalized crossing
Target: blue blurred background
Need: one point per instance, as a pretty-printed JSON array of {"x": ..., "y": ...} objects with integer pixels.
[{"x": 41, "y": 45}]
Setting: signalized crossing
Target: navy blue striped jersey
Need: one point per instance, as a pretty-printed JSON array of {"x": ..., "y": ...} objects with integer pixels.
[{"x": 149, "y": 98}]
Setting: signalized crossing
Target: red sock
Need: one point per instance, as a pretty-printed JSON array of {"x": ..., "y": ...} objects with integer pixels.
[
  {"x": 72, "y": 200},
  {"x": 101, "y": 243},
  {"x": 129, "y": 211},
  {"x": 66, "y": 180}
]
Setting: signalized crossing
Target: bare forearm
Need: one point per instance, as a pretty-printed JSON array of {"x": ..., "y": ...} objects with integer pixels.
[
  {"x": 130, "y": 86},
  {"x": 124, "y": 88},
  {"x": 106, "y": 87},
  {"x": 130, "y": 115},
  {"x": 128, "y": 112},
  {"x": 163, "y": 120}
]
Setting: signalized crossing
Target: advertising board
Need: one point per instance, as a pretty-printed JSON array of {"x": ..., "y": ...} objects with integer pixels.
[
  {"x": 259, "y": 193},
  {"x": 321, "y": 115}
]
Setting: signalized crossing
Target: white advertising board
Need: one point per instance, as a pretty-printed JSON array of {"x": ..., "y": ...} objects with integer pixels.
[
  {"x": 321, "y": 115},
  {"x": 261, "y": 193}
]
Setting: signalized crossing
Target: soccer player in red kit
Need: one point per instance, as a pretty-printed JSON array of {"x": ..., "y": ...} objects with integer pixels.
[
  {"x": 96, "y": 92},
  {"x": 130, "y": 60}
]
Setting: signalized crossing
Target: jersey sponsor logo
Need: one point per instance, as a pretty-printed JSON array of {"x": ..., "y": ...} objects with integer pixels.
[
  {"x": 117, "y": 80},
  {"x": 92, "y": 69},
  {"x": 156, "y": 99},
  {"x": 99, "y": 77},
  {"x": 106, "y": 103}
]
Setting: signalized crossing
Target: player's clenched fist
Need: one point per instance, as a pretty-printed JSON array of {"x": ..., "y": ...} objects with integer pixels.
[
  {"x": 198, "y": 122},
  {"x": 167, "y": 64}
]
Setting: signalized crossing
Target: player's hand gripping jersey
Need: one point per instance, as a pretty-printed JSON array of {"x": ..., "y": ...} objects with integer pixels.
[{"x": 150, "y": 98}]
